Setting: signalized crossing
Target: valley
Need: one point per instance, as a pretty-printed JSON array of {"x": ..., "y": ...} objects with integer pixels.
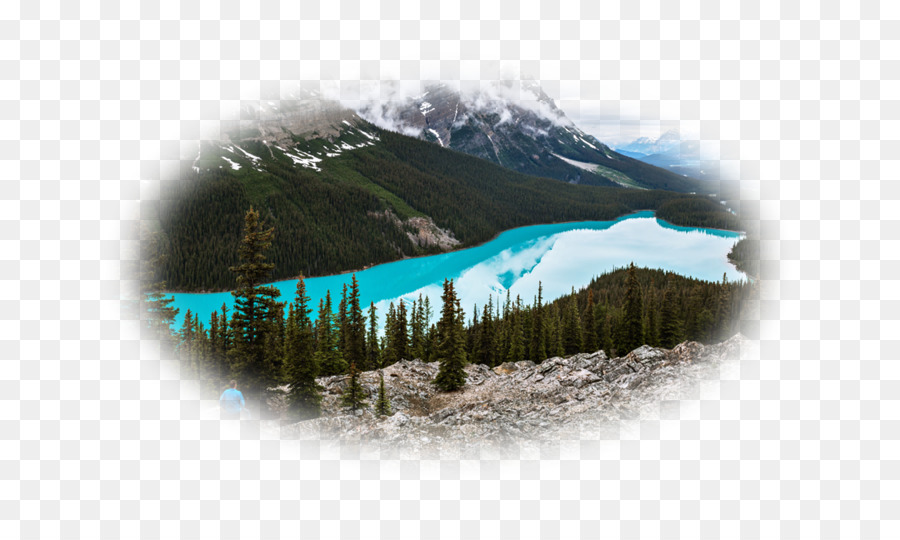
[
  {"x": 462, "y": 229},
  {"x": 345, "y": 194}
]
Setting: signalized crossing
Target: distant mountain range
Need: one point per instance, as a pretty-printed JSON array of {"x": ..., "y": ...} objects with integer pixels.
[{"x": 672, "y": 153}]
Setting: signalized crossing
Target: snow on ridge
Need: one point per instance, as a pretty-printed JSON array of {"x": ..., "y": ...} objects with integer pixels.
[
  {"x": 235, "y": 166},
  {"x": 435, "y": 133},
  {"x": 248, "y": 154},
  {"x": 589, "y": 144},
  {"x": 309, "y": 161}
]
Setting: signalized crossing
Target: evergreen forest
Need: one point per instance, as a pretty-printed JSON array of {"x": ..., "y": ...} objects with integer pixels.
[
  {"x": 263, "y": 343},
  {"x": 353, "y": 212}
]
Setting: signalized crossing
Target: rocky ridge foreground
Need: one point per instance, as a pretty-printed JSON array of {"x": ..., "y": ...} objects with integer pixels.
[{"x": 576, "y": 397}]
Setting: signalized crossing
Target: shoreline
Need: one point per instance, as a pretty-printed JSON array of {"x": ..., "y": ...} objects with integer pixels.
[{"x": 462, "y": 248}]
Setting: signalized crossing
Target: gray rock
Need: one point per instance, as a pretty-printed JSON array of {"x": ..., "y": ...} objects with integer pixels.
[{"x": 514, "y": 403}]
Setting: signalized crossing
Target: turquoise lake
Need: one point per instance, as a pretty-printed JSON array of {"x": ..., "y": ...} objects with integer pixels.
[{"x": 559, "y": 256}]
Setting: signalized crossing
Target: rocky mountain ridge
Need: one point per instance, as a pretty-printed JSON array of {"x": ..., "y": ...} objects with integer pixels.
[
  {"x": 514, "y": 124},
  {"x": 579, "y": 396},
  {"x": 517, "y": 125}
]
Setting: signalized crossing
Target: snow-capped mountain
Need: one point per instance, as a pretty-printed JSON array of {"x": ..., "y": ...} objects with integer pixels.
[
  {"x": 513, "y": 124},
  {"x": 671, "y": 151},
  {"x": 646, "y": 146},
  {"x": 303, "y": 130},
  {"x": 516, "y": 125}
]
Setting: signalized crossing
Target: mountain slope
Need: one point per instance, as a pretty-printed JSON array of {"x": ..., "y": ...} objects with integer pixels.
[
  {"x": 518, "y": 126},
  {"x": 348, "y": 195}
]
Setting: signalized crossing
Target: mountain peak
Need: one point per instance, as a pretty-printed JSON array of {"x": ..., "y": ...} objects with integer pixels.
[{"x": 647, "y": 145}]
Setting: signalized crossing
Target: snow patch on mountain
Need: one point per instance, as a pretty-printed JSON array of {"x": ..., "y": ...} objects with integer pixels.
[{"x": 235, "y": 166}]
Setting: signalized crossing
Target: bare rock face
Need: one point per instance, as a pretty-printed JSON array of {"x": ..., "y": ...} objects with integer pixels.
[
  {"x": 514, "y": 402},
  {"x": 422, "y": 231}
]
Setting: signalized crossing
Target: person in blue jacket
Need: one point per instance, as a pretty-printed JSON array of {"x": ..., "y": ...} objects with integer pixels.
[{"x": 231, "y": 402}]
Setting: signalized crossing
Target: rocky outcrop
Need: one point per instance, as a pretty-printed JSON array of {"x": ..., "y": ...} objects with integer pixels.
[
  {"x": 572, "y": 397},
  {"x": 422, "y": 231}
]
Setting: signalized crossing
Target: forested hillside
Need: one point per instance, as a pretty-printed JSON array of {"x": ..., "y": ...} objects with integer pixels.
[
  {"x": 263, "y": 342},
  {"x": 353, "y": 209}
]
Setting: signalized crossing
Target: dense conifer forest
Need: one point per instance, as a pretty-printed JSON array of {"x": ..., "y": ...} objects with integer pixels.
[
  {"x": 745, "y": 256},
  {"x": 264, "y": 343},
  {"x": 699, "y": 212},
  {"x": 351, "y": 214}
]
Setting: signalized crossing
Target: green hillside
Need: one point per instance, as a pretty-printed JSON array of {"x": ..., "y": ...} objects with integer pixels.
[{"x": 347, "y": 210}]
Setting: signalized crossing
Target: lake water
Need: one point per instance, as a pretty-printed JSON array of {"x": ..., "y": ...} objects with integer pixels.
[{"x": 559, "y": 256}]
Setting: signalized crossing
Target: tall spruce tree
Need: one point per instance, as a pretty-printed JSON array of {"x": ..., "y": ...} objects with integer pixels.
[
  {"x": 355, "y": 333},
  {"x": 158, "y": 312},
  {"x": 255, "y": 305},
  {"x": 418, "y": 329},
  {"x": 382, "y": 404},
  {"x": 517, "y": 333},
  {"x": 402, "y": 335},
  {"x": 427, "y": 314},
  {"x": 185, "y": 346},
  {"x": 305, "y": 394},
  {"x": 538, "y": 347},
  {"x": 632, "y": 329},
  {"x": 391, "y": 353},
  {"x": 373, "y": 347},
  {"x": 341, "y": 321},
  {"x": 571, "y": 331},
  {"x": 328, "y": 354},
  {"x": 589, "y": 324},
  {"x": 723, "y": 311},
  {"x": 354, "y": 395},
  {"x": 451, "y": 349},
  {"x": 487, "y": 347},
  {"x": 670, "y": 332}
]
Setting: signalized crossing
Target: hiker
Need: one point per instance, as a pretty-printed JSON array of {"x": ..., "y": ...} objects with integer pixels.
[{"x": 231, "y": 403}]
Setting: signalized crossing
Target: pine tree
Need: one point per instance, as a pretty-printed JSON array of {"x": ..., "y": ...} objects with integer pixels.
[
  {"x": 538, "y": 347},
  {"x": 328, "y": 355},
  {"x": 390, "y": 354},
  {"x": 670, "y": 322},
  {"x": 200, "y": 349},
  {"x": 516, "y": 334},
  {"x": 651, "y": 326},
  {"x": 402, "y": 334},
  {"x": 305, "y": 394},
  {"x": 355, "y": 333},
  {"x": 418, "y": 329},
  {"x": 158, "y": 312},
  {"x": 354, "y": 395},
  {"x": 226, "y": 336},
  {"x": 373, "y": 348},
  {"x": 251, "y": 363},
  {"x": 723, "y": 317},
  {"x": 488, "y": 336},
  {"x": 341, "y": 321},
  {"x": 632, "y": 333},
  {"x": 185, "y": 345},
  {"x": 383, "y": 404},
  {"x": 589, "y": 324},
  {"x": 451, "y": 352},
  {"x": 571, "y": 331},
  {"x": 427, "y": 314},
  {"x": 473, "y": 336}
]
